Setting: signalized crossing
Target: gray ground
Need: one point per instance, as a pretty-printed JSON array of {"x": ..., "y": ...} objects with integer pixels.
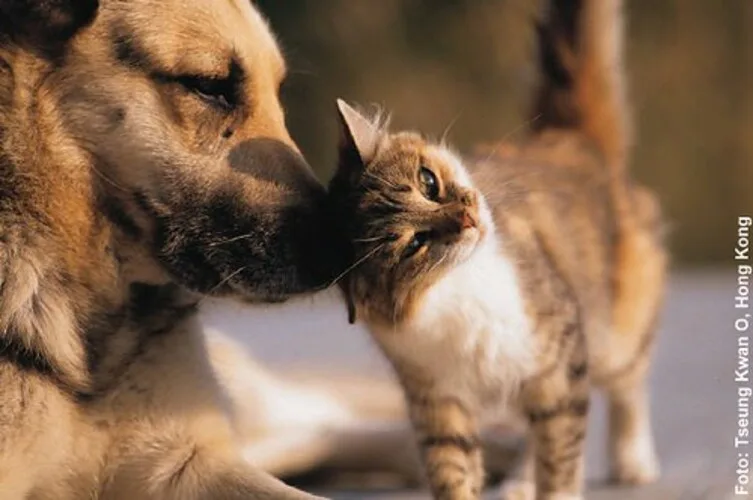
[{"x": 693, "y": 390}]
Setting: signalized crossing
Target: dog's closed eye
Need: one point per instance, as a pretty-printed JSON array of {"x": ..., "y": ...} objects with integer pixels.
[{"x": 219, "y": 92}]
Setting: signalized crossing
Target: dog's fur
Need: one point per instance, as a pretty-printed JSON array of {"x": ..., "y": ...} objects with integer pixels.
[{"x": 144, "y": 162}]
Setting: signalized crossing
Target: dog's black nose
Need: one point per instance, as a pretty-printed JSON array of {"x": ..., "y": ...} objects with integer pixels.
[
  {"x": 274, "y": 161},
  {"x": 292, "y": 218}
]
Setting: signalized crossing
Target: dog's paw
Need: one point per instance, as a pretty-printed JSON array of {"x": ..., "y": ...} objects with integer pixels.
[{"x": 516, "y": 489}]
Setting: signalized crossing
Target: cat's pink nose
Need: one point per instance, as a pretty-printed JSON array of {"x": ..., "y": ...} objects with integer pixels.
[{"x": 468, "y": 221}]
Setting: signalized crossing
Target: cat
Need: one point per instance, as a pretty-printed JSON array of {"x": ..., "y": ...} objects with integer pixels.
[{"x": 519, "y": 277}]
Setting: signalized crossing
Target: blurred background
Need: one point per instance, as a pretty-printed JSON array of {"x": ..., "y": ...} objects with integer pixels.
[{"x": 469, "y": 64}]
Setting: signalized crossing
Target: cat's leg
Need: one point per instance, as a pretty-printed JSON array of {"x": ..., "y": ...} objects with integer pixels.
[
  {"x": 622, "y": 369},
  {"x": 622, "y": 372},
  {"x": 448, "y": 437},
  {"x": 632, "y": 453},
  {"x": 521, "y": 483},
  {"x": 556, "y": 402}
]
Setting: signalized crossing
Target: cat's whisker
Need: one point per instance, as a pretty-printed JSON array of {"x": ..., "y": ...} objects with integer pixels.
[
  {"x": 436, "y": 264},
  {"x": 514, "y": 131},
  {"x": 380, "y": 179},
  {"x": 502, "y": 187},
  {"x": 369, "y": 240},
  {"x": 223, "y": 281},
  {"x": 357, "y": 263},
  {"x": 517, "y": 129},
  {"x": 443, "y": 137}
]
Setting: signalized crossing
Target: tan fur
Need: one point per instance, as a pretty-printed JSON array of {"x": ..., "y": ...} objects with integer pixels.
[
  {"x": 590, "y": 53},
  {"x": 144, "y": 162}
]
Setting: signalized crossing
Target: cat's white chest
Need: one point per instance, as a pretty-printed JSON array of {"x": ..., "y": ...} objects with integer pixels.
[{"x": 471, "y": 334}]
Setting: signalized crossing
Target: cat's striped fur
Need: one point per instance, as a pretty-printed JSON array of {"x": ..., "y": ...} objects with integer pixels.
[{"x": 520, "y": 275}]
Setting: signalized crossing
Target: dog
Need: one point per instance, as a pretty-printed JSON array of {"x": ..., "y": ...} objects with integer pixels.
[{"x": 144, "y": 165}]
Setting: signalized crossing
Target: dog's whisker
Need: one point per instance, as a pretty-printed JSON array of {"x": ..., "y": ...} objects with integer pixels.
[
  {"x": 107, "y": 179},
  {"x": 304, "y": 72},
  {"x": 231, "y": 240}
]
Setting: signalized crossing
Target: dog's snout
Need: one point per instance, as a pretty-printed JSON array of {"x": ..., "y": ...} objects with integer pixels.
[
  {"x": 288, "y": 210},
  {"x": 276, "y": 162}
]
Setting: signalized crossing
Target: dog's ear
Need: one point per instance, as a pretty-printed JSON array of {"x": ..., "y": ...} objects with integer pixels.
[
  {"x": 45, "y": 24},
  {"x": 359, "y": 136}
]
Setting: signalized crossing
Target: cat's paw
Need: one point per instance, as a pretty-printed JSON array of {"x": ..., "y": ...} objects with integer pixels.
[
  {"x": 563, "y": 496},
  {"x": 636, "y": 472},
  {"x": 516, "y": 489},
  {"x": 526, "y": 490},
  {"x": 636, "y": 465}
]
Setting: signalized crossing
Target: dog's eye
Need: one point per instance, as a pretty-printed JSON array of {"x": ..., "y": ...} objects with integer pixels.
[
  {"x": 429, "y": 183},
  {"x": 419, "y": 240},
  {"x": 218, "y": 92}
]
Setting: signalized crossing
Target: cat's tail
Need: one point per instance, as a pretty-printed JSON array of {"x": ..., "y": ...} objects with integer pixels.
[{"x": 583, "y": 87}]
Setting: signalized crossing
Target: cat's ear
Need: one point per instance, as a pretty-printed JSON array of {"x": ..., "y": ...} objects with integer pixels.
[{"x": 359, "y": 136}]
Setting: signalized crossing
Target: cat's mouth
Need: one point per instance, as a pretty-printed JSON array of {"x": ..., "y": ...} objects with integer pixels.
[{"x": 470, "y": 241}]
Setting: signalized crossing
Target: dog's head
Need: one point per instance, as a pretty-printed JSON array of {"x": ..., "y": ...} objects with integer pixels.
[{"x": 172, "y": 108}]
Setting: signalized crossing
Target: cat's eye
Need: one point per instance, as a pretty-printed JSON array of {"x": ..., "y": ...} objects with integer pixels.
[
  {"x": 429, "y": 183},
  {"x": 419, "y": 241}
]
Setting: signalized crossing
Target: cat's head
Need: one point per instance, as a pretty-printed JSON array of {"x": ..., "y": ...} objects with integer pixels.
[{"x": 409, "y": 211}]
